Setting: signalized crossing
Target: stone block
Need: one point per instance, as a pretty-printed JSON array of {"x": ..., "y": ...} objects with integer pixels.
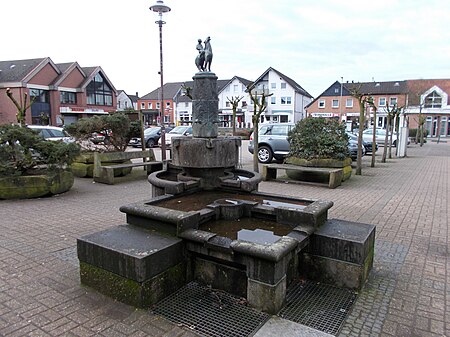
[
  {"x": 266, "y": 297},
  {"x": 138, "y": 294},
  {"x": 340, "y": 253},
  {"x": 230, "y": 278},
  {"x": 131, "y": 252},
  {"x": 343, "y": 240}
]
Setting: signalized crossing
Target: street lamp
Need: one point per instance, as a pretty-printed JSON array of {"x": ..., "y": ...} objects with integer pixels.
[{"x": 160, "y": 8}]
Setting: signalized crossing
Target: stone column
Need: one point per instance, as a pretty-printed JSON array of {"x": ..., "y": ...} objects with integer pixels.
[{"x": 205, "y": 106}]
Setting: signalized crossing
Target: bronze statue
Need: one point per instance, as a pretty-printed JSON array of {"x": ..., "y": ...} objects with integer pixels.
[
  {"x": 208, "y": 54},
  {"x": 205, "y": 55},
  {"x": 200, "y": 59}
]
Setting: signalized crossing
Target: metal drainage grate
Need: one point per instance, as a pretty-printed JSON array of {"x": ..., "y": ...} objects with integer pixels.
[
  {"x": 319, "y": 306},
  {"x": 210, "y": 312}
]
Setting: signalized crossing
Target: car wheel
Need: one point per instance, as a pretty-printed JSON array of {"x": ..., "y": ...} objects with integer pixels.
[
  {"x": 150, "y": 143},
  {"x": 265, "y": 154}
]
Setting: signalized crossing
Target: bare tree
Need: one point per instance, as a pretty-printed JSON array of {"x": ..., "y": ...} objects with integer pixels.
[
  {"x": 389, "y": 114},
  {"x": 234, "y": 101},
  {"x": 259, "y": 99},
  {"x": 374, "y": 141},
  {"x": 363, "y": 101},
  {"x": 22, "y": 107}
]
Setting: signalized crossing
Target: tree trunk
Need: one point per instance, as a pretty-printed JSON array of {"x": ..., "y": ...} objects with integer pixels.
[
  {"x": 255, "y": 143},
  {"x": 360, "y": 137},
  {"x": 383, "y": 158},
  {"x": 374, "y": 146}
]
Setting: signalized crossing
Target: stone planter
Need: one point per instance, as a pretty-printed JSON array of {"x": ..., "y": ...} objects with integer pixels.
[
  {"x": 34, "y": 186},
  {"x": 83, "y": 166},
  {"x": 344, "y": 164}
]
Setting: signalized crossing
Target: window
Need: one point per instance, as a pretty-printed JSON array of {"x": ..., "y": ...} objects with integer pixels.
[
  {"x": 158, "y": 105},
  {"x": 279, "y": 130},
  {"x": 99, "y": 92},
  {"x": 336, "y": 90},
  {"x": 167, "y": 104},
  {"x": 186, "y": 104},
  {"x": 142, "y": 105},
  {"x": 382, "y": 101},
  {"x": 285, "y": 100},
  {"x": 227, "y": 104},
  {"x": 40, "y": 96},
  {"x": 392, "y": 101},
  {"x": 235, "y": 88},
  {"x": 335, "y": 103},
  {"x": 244, "y": 103},
  {"x": 273, "y": 100},
  {"x": 433, "y": 100},
  {"x": 273, "y": 85},
  {"x": 150, "y": 105},
  {"x": 321, "y": 103},
  {"x": 66, "y": 97},
  {"x": 283, "y": 85},
  {"x": 349, "y": 103}
]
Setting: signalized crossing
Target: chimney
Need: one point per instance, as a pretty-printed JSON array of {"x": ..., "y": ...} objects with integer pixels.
[{"x": 137, "y": 94}]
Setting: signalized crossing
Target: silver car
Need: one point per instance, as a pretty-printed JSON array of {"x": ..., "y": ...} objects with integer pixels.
[{"x": 272, "y": 142}]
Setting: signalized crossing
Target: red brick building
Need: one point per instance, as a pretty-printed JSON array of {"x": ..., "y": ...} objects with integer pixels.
[
  {"x": 62, "y": 93},
  {"x": 430, "y": 98}
]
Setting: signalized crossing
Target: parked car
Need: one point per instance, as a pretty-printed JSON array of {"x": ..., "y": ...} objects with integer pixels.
[
  {"x": 151, "y": 137},
  {"x": 52, "y": 133},
  {"x": 380, "y": 135},
  {"x": 367, "y": 144},
  {"x": 353, "y": 149},
  {"x": 272, "y": 142},
  {"x": 182, "y": 130},
  {"x": 101, "y": 137}
]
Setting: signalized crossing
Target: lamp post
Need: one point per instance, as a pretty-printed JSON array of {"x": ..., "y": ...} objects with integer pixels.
[{"x": 160, "y": 8}]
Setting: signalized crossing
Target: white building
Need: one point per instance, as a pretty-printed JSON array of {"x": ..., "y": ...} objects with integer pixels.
[
  {"x": 234, "y": 89},
  {"x": 287, "y": 104},
  {"x": 126, "y": 102}
]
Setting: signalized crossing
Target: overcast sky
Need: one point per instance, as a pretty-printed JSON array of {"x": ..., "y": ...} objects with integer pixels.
[{"x": 313, "y": 42}]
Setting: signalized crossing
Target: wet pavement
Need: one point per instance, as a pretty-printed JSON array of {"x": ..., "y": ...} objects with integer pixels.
[{"x": 407, "y": 294}]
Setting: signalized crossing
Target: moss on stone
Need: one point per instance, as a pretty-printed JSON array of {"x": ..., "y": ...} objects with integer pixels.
[
  {"x": 335, "y": 163},
  {"x": 35, "y": 186},
  {"x": 138, "y": 294}
]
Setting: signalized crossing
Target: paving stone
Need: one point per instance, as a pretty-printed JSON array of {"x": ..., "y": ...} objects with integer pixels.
[{"x": 407, "y": 199}]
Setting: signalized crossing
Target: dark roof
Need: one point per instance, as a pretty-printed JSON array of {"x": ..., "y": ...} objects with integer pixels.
[
  {"x": 367, "y": 88},
  {"x": 297, "y": 87},
  {"x": 380, "y": 88},
  {"x": 89, "y": 70},
  {"x": 17, "y": 70},
  {"x": 171, "y": 90},
  {"x": 133, "y": 98},
  {"x": 64, "y": 66}
]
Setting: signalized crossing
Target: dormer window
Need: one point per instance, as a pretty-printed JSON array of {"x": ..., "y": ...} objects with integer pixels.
[{"x": 433, "y": 100}]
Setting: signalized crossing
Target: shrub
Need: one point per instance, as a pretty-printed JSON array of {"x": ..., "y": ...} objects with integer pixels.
[
  {"x": 118, "y": 124},
  {"x": 22, "y": 149},
  {"x": 314, "y": 138}
]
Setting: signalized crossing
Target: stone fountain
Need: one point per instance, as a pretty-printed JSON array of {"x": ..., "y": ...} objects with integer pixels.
[{"x": 206, "y": 221}]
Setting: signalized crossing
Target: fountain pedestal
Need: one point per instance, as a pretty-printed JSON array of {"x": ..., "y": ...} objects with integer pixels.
[{"x": 169, "y": 239}]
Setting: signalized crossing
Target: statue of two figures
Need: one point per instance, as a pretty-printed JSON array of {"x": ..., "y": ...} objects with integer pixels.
[{"x": 205, "y": 55}]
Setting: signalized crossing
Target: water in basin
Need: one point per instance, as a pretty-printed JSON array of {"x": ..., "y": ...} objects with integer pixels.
[{"x": 260, "y": 236}]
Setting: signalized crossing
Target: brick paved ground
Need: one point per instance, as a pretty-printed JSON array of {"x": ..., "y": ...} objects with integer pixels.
[{"x": 408, "y": 293}]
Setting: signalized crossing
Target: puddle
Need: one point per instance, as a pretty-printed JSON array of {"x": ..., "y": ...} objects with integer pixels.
[
  {"x": 260, "y": 236},
  {"x": 230, "y": 228}
]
